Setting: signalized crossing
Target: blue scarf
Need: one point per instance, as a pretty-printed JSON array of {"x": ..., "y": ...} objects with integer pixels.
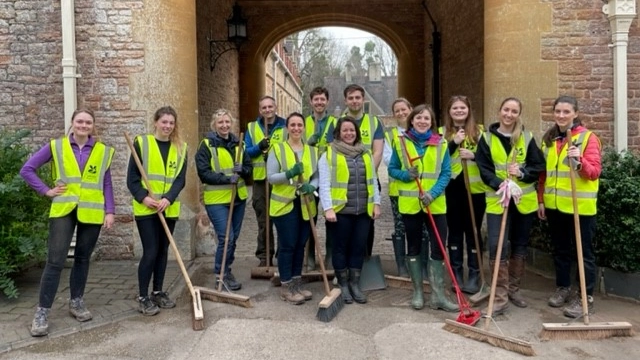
[{"x": 421, "y": 138}]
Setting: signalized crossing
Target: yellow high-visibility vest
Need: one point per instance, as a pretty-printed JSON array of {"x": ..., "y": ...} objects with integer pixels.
[
  {"x": 557, "y": 186},
  {"x": 257, "y": 134},
  {"x": 501, "y": 160},
  {"x": 283, "y": 195},
  {"x": 339, "y": 171},
  {"x": 429, "y": 167},
  {"x": 368, "y": 128},
  {"x": 310, "y": 129},
  {"x": 84, "y": 191},
  {"x": 222, "y": 162},
  {"x": 160, "y": 175},
  {"x": 475, "y": 181}
]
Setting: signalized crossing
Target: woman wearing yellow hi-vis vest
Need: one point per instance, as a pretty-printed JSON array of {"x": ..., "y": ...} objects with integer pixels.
[
  {"x": 218, "y": 171},
  {"x": 292, "y": 170},
  {"x": 421, "y": 164},
  {"x": 568, "y": 139},
  {"x": 82, "y": 199},
  {"x": 163, "y": 156},
  {"x": 494, "y": 157},
  {"x": 350, "y": 200},
  {"x": 462, "y": 134}
]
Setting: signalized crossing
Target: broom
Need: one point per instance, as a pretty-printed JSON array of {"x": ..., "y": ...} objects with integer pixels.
[
  {"x": 219, "y": 295},
  {"x": 265, "y": 272},
  {"x": 586, "y": 331},
  {"x": 483, "y": 292},
  {"x": 197, "y": 320},
  {"x": 505, "y": 342}
]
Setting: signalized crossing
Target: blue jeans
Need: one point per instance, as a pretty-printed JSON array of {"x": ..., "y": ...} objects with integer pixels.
[
  {"x": 564, "y": 247},
  {"x": 218, "y": 215},
  {"x": 60, "y": 233},
  {"x": 349, "y": 235},
  {"x": 293, "y": 232},
  {"x": 516, "y": 231}
]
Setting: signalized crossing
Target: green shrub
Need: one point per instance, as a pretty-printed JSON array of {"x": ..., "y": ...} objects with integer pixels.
[
  {"x": 24, "y": 213},
  {"x": 617, "y": 241}
]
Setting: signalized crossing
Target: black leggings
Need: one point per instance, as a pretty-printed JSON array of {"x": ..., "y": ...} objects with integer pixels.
[
  {"x": 155, "y": 246},
  {"x": 413, "y": 224}
]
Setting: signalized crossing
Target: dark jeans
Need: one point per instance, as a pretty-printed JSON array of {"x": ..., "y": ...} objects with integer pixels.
[
  {"x": 414, "y": 223},
  {"x": 218, "y": 215},
  {"x": 516, "y": 231},
  {"x": 60, "y": 234},
  {"x": 564, "y": 247},
  {"x": 155, "y": 248},
  {"x": 459, "y": 217},
  {"x": 293, "y": 232},
  {"x": 258, "y": 201},
  {"x": 349, "y": 234}
]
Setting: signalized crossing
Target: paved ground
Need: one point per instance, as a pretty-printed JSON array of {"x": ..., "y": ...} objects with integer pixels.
[{"x": 385, "y": 328}]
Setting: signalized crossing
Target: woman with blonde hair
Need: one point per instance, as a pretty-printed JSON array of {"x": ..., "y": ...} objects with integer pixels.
[
  {"x": 218, "y": 170},
  {"x": 163, "y": 156}
]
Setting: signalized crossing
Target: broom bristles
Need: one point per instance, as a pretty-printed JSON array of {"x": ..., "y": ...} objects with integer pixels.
[
  {"x": 330, "y": 306},
  {"x": 507, "y": 343},
  {"x": 228, "y": 298},
  {"x": 593, "y": 331}
]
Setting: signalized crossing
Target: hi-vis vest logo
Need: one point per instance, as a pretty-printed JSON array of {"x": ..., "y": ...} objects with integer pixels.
[
  {"x": 92, "y": 169},
  {"x": 364, "y": 133},
  {"x": 275, "y": 137},
  {"x": 172, "y": 165}
]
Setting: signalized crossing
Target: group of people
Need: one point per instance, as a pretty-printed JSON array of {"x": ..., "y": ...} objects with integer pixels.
[{"x": 301, "y": 166}]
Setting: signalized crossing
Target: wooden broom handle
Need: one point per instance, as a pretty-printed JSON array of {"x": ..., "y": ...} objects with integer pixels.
[{"x": 578, "y": 235}]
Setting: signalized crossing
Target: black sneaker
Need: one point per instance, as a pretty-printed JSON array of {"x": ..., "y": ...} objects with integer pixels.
[
  {"x": 161, "y": 299},
  {"x": 231, "y": 282},
  {"x": 147, "y": 307}
]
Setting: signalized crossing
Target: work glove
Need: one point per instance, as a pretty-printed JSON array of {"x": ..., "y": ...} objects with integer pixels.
[
  {"x": 295, "y": 170},
  {"x": 264, "y": 144},
  {"x": 237, "y": 168},
  {"x": 509, "y": 190},
  {"x": 233, "y": 179},
  {"x": 426, "y": 198},
  {"x": 413, "y": 172},
  {"x": 313, "y": 140},
  {"x": 306, "y": 189}
]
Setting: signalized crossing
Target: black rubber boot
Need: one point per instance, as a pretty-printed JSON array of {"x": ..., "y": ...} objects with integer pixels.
[
  {"x": 399, "y": 250},
  {"x": 354, "y": 286},
  {"x": 472, "y": 285},
  {"x": 343, "y": 281},
  {"x": 456, "y": 257}
]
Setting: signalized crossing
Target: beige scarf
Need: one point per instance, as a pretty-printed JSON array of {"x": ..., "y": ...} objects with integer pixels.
[{"x": 348, "y": 150}]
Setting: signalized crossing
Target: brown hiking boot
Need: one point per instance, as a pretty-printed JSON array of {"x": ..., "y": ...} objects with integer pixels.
[
  {"x": 560, "y": 297},
  {"x": 516, "y": 272},
  {"x": 297, "y": 287},
  {"x": 288, "y": 294},
  {"x": 501, "y": 301}
]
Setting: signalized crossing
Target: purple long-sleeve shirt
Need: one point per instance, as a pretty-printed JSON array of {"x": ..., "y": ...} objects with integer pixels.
[{"x": 44, "y": 155}]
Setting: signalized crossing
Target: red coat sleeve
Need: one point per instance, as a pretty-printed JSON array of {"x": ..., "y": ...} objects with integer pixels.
[{"x": 591, "y": 159}]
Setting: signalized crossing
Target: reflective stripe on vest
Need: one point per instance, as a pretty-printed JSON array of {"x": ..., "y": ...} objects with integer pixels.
[
  {"x": 429, "y": 167},
  {"x": 160, "y": 175},
  {"x": 339, "y": 171},
  {"x": 221, "y": 162},
  {"x": 529, "y": 200},
  {"x": 557, "y": 186},
  {"x": 84, "y": 191},
  {"x": 391, "y": 137},
  {"x": 283, "y": 195},
  {"x": 310, "y": 129},
  {"x": 257, "y": 134},
  {"x": 475, "y": 181}
]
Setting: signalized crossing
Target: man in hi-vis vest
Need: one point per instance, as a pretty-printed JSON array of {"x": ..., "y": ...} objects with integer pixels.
[{"x": 257, "y": 144}]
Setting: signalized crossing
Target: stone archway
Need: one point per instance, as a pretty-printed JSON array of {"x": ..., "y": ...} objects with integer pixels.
[{"x": 406, "y": 41}]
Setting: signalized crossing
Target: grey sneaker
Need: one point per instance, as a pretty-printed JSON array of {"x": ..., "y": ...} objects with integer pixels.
[
  {"x": 147, "y": 307},
  {"x": 574, "y": 309},
  {"x": 40, "y": 323},
  {"x": 78, "y": 310},
  {"x": 560, "y": 297},
  {"x": 161, "y": 299}
]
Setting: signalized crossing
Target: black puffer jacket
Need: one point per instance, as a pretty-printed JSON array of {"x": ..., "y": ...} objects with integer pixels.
[{"x": 203, "y": 160}]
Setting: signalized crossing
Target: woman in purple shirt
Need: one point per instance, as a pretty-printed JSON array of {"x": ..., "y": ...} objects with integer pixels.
[{"x": 82, "y": 198}]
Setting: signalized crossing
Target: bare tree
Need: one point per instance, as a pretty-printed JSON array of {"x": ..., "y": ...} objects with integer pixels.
[{"x": 378, "y": 50}]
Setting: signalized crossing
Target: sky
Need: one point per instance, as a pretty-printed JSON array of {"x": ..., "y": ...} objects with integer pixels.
[{"x": 352, "y": 37}]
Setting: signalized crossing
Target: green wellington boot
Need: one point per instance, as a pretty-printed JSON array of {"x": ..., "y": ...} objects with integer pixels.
[
  {"x": 439, "y": 299},
  {"x": 415, "y": 270}
]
